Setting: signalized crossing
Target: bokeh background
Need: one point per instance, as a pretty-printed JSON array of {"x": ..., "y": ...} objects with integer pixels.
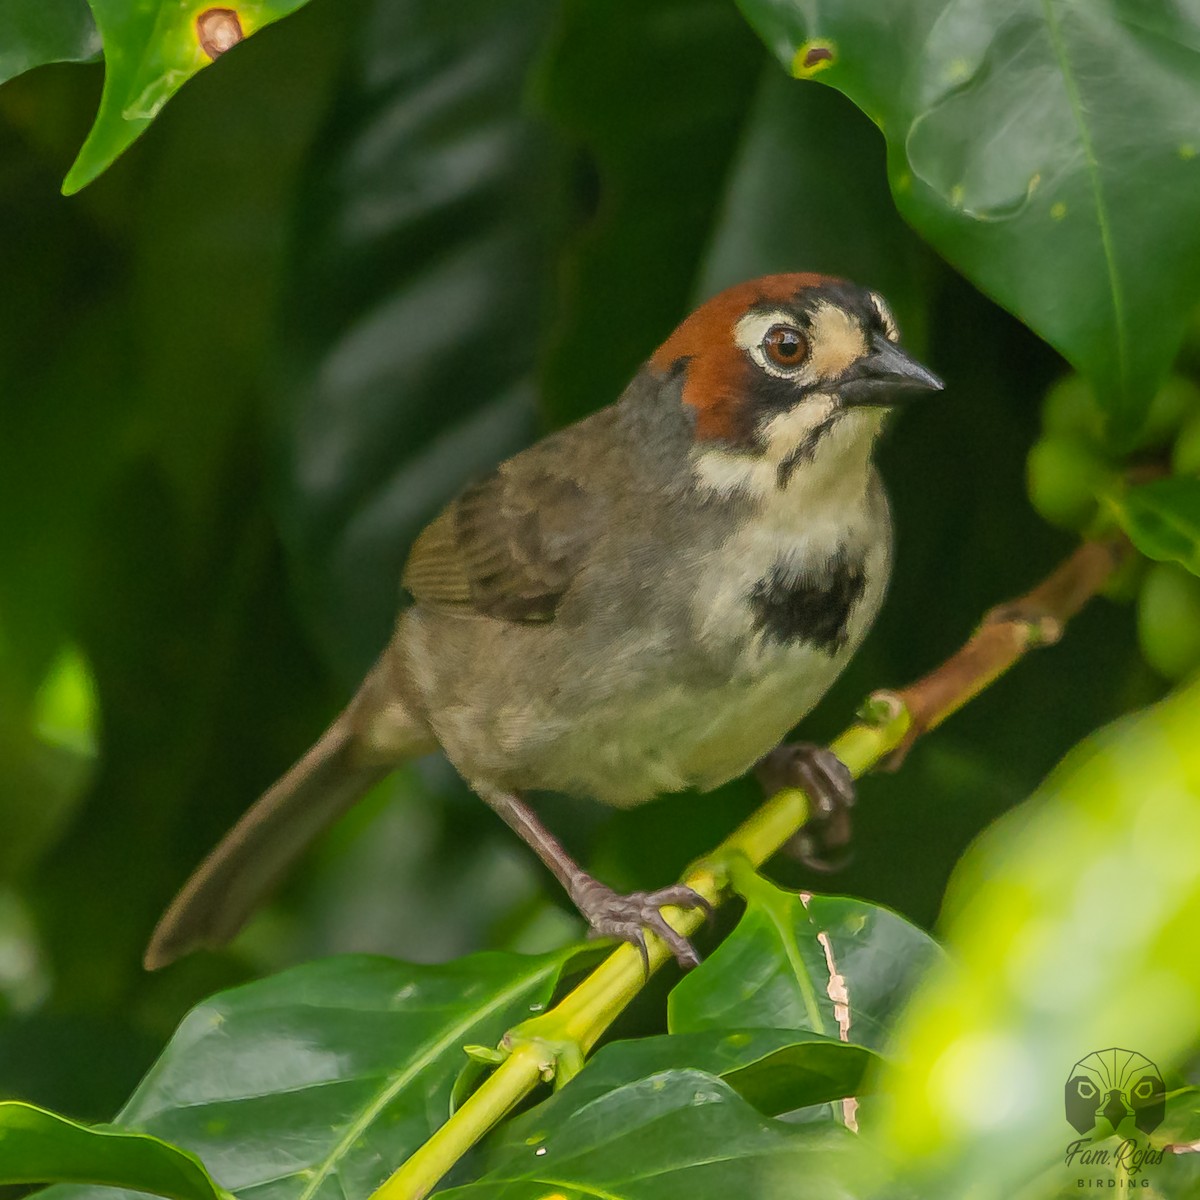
[{"x": 368, "y": 254}]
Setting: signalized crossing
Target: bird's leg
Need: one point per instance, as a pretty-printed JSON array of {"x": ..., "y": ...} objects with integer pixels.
[
  {"x": 607, "y": 912},
  {"x": 823, "y": 843}
]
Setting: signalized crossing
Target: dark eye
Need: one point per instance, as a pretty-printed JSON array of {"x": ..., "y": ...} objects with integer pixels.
[{"x": 785, "y": 346}]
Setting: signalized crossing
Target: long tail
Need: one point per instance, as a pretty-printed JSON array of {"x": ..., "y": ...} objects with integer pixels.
[{"x": 260, "y": 849}]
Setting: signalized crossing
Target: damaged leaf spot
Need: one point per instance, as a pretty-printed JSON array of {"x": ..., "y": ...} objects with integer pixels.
[
  {"x": 218, "y": 29},
  {"x": 1058, "y": 210},
  {"x": 839, "y": 995},
  {"x": 1187, "y": 151},
  {"x": 811, "y": 58}
]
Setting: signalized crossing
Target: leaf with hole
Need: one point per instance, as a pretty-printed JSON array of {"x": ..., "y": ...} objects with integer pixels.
[
  {"x": 150, "y": 52},
  {"x": 1068, "y": 925},
  {"x": 1048, "y": 149},
  {"x": 838, "y": 966}
]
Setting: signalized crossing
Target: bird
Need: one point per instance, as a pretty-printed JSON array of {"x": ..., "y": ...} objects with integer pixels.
[{"x": 641, "y": 603}]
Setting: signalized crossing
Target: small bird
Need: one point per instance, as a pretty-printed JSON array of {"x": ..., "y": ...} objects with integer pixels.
[{"x": 641, "y": 603}]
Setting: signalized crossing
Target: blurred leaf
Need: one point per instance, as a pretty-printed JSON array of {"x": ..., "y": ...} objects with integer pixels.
[
  {"x": 64, "y": 709},
  {"x": 653, "y": 96},
  {"x": 1067, "y": 929},
  {"x": 672, "y": 1134},
  {"x": 24, "y": 980},
  {"x": 1013, "y": 152},
  {"x": 150, "y": 51},
  {"x": 826, "y": 963},
  {"x": 45, "y": 31},
  {"x": 133, "y": 454},
  {"x": 322, "y": 1079},
  {"x": 1162, "y": 519},
  {"x": 421, "y": 259},
  {"x": 37, "y": 1146},
  {"x": 48, "y": 747}
]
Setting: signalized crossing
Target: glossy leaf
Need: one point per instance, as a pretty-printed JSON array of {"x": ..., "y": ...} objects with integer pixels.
[
  {"x": 775, "y": 1070},
  {"x": 673, "y": 1134},
  {"x": 1047, "y": 149},
  {"x": 1162, "y": 520},
  {"x": 1065, "y": 930},
  {"x": 45, "y": 31},
  {"x": 838, "y": 966},
  {"x": 795, "y": 200},
  {"x": 319, "y": 1081},
  {"x": 37, "y": 1146},
  {"x": 150, "y": 51},
  {"x": 419, "y": 269}
]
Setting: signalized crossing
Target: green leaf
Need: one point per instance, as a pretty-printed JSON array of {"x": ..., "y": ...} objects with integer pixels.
[
  {"x": 675, "y": 1133},
  {"x": 1065, "y": 195},
  {"x": 838, "y": 966},
  {"x": 1070, "y": 927},
  {"x": 423, "y": 229},
  {"x": 150, "y": 51},
  {"x": 318, "y": 1082},
  {"x": 37, "y": 1146},
  {"x": 775, "y": 1070},
  {"x": 45, "y": 31},
  {"x": 1162, "y": 520}
]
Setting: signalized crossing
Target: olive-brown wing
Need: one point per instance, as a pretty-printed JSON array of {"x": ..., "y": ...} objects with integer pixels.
[{"x": 508, "y": 546}]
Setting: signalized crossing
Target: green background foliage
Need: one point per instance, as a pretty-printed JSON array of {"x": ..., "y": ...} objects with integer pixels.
[{"x": 382, "y": 245}]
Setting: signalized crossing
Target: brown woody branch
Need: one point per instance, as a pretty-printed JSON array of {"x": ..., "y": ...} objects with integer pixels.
[{"x": 553, "y": 1045}]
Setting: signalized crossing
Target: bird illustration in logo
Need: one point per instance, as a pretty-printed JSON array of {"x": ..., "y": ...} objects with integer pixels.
[{"x": 1110, "y": 1087}]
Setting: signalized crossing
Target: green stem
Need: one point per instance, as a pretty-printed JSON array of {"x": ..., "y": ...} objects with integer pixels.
[{"x": 553, "y": 1045}]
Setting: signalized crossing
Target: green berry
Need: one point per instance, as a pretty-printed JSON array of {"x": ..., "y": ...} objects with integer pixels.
[
  {"x": 1168, "y": 619},
  {"x": 1173, "y": 403},
  {"x": 1185, "y": 457},
  {"x": 1070, "y": 408},
  {"x": 1064, "y": 476}
]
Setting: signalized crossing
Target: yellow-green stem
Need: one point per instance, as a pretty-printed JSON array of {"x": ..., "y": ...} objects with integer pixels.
[
  {"x": 576, "y": 1023},
  {"x": 553, "y": 1045}
]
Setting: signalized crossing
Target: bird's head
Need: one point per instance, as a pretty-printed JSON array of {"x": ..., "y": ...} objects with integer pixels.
[{"x": 787, "y": 369}]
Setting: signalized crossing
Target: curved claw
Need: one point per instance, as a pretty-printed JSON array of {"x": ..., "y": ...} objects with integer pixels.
[
  {"x": 628, "y": 917},
  {"x": 824, "y": 841}
]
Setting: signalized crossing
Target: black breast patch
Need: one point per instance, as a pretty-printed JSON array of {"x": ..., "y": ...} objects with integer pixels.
[{"x": 808, "y": 605}]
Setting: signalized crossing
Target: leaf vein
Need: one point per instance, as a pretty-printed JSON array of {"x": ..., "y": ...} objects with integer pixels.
[{"x": 1093, "y": 170}]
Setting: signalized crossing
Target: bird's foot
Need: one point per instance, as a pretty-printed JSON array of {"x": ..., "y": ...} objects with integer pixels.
[
  {"x": 628, "y": 917},
  {"x": 823, "y": 842}
]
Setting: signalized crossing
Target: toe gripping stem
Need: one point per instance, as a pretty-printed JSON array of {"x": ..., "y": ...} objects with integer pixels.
[{"x": 824, "y": 841}]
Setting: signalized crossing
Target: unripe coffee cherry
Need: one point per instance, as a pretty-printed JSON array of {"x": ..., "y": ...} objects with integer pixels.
[
  {"x": 1070, "y": 408},
  {"x": 1064, "y": 476},
  {"x": 1168, "y": 620}
]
